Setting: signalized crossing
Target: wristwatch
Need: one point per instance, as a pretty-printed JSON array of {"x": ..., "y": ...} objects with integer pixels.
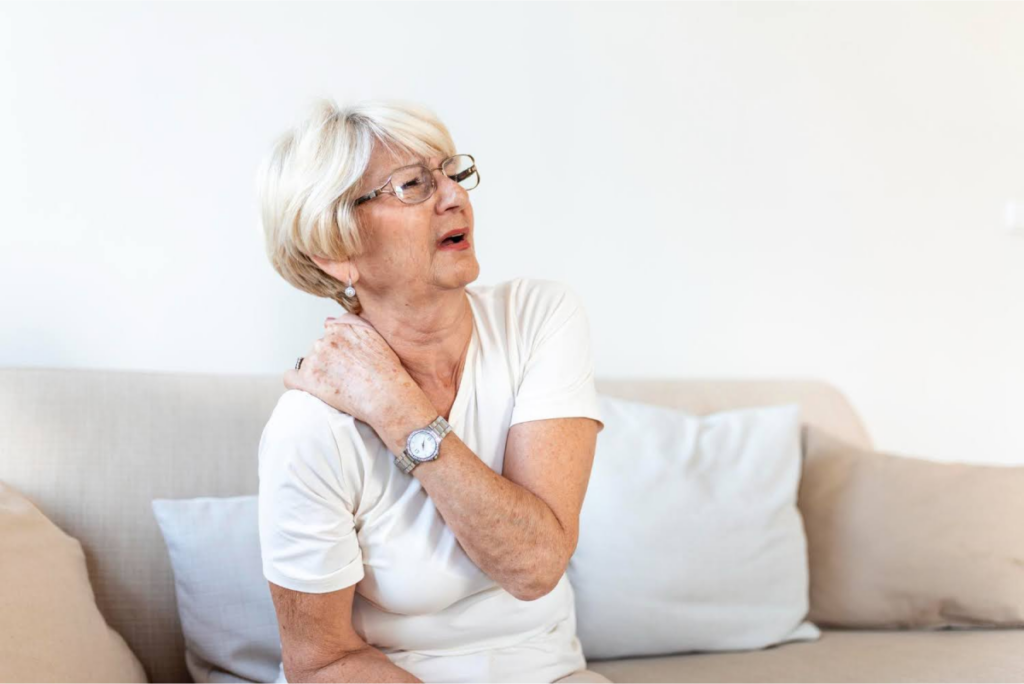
[{"x": 423, "y": 445}]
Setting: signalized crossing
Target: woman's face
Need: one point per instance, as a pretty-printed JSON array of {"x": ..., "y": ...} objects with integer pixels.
[{"x": 402, "y": 242}]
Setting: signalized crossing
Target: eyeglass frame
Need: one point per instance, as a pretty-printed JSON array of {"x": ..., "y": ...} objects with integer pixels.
[{"x": 373, "y": 194}]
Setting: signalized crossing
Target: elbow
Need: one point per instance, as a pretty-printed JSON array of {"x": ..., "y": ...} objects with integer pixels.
[
  {"x": 539, "y": 585},
  {"x": 541, "y": 582},
  {"x": 532, "y": 592}
]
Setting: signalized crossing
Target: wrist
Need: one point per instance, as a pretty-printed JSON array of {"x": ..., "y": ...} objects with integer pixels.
[{"x": 401, "y": 421}]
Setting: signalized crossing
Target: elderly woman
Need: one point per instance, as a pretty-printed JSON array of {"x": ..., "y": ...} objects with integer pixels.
[{"x": 421, "y": 477}]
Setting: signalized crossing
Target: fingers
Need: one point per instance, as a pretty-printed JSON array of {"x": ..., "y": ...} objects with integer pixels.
[
  {"x": 347, "y": 320},
  {"x": 291, "y": 379}
]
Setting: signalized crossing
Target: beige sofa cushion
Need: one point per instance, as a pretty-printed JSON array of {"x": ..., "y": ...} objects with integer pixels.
[
  {"x": 901, "y": 542},
  {"x": 51, "y": 629},
  {"x": 856, "y": 655}
]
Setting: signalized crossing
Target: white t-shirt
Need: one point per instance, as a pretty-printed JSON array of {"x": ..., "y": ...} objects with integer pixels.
[{"x": 335, "y": 510}]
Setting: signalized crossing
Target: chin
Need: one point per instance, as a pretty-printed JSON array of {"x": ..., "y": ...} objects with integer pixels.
[{"x": 467, "y": 271}]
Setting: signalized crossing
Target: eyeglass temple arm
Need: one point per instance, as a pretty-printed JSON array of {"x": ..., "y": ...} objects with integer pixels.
[
  {"x": 464, "y": 175},
  {"x": 373, "y": 193},
  {"x": 367, "y": 197}
]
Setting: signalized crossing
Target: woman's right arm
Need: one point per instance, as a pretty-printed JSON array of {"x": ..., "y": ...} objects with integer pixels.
[
  {"x": 312, "y": 560},
  {"x": 318, "y": 643}
]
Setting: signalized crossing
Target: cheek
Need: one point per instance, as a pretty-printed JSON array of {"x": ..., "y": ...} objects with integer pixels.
[
  {"x": 399, "y": 240},
  {"x": 406, "y": 251},
  {"x": 402, "y": 237}
]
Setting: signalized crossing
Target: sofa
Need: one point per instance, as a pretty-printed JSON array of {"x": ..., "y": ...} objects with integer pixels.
[{"x": 93, "y": 448}]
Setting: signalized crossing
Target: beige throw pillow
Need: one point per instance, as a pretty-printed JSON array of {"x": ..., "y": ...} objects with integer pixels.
[
  {"x": 50, "y": 627},
  {"x": 901, "y": 542}
]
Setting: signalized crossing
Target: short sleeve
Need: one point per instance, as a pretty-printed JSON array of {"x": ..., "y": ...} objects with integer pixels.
[
  {"x": 558, "y": 362},
  {"x": 308, "y": 539}
]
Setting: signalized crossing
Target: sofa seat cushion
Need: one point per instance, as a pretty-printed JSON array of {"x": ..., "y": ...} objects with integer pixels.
[{"x": 946, "y": 655}]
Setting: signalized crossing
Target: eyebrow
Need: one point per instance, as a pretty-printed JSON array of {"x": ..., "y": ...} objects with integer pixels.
[{"x": 382, "y": 179}]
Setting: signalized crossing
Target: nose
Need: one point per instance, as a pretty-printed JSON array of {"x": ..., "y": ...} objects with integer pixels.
[{"x": 449, "y": 193}]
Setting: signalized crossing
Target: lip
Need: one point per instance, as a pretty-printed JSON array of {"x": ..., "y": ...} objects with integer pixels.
[{"x": 457, "y": 246}]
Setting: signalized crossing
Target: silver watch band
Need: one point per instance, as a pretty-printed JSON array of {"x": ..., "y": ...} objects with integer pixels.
[{"x": 440, "y": 427}]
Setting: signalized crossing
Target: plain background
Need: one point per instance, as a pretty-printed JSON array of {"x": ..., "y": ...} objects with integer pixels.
[{"x": 737, "y": 190}]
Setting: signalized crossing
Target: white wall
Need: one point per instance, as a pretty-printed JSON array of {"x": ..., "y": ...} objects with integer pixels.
[{"x": 738, "y": 190}]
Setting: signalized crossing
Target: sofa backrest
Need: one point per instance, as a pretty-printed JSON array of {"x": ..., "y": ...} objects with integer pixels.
[{"x": 92, "y": 448}]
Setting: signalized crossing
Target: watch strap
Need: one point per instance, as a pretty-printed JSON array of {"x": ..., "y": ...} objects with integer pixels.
[
  {"x": 405, "y": 463},
  {"x": 440, "y": 426}
]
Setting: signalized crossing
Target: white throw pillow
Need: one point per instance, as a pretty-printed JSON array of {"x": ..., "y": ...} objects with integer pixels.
[
  {"x": 690, "y": 537},
  {"x": 224, "y": 603}
]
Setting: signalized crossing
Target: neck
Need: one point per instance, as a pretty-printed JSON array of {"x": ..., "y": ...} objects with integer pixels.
[{"x": 430, "y": 337}]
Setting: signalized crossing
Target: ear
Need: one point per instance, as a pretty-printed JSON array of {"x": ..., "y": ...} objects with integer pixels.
[{"x": 341, "y": 270}]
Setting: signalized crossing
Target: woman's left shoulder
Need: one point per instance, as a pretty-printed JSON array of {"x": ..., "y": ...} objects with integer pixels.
[
  {"x": 540, "y": 306},
  {"x": 543, "y": 293}
]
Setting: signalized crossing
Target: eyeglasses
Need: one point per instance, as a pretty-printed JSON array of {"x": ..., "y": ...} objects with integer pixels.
[{"x": 415, "y": 183}]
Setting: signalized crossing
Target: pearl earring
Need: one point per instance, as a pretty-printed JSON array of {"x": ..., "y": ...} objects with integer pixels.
[{"x": 350, "y": 291}]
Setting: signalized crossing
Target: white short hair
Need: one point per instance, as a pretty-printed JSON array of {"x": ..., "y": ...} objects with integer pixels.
[{"x": 307, "y": 184}]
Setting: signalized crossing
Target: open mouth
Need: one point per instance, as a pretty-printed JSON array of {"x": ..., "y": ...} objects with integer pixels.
[{"x": 458, "y": 239}]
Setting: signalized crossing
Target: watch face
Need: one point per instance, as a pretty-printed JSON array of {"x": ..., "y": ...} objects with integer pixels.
[{"x": 422, "y": 444}]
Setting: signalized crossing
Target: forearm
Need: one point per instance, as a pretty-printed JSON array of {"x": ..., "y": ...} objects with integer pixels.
[
  {"x": 510, "y": 533},
  {"x": 365, "y": 665}
]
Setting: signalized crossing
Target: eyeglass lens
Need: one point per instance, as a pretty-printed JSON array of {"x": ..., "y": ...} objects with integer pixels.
[{"x": 416, "y": 183}]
